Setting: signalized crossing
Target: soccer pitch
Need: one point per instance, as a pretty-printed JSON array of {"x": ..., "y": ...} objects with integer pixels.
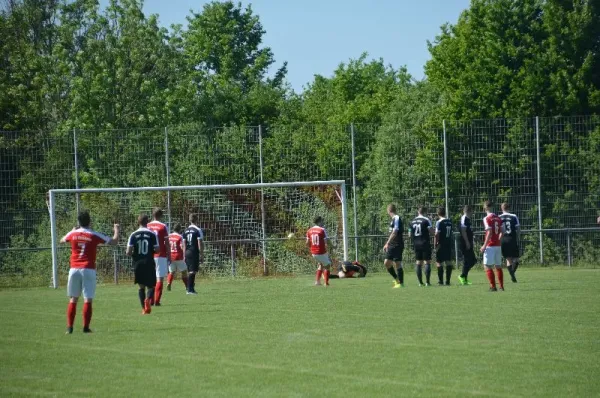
[{"x": 285, "y": 337}]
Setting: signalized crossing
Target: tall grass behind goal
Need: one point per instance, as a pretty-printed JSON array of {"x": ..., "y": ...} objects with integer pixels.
[{"x": 250, "y": 229}]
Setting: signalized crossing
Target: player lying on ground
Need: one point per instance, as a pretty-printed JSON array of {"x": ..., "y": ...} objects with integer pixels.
[
  {"x": 443, "y": 246},
  {"x": 420, "y": 230},
  {"x": 82, "y": 275},
  {"x": 492, "y": 257},
  {"x": 316, "y": 238},
  {"x": 177, "y": 264},
  {"x": 160, "y": 258},
  {"x": 347, "y": 269},
  {"x": 141, "y": 246},
  {"x": 510, "y": 240},
  {"x": 394, "y": 248}
]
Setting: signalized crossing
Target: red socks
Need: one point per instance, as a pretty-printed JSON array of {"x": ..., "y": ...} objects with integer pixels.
[
  {"x": 170, "y": 278},
  {"x": 490, "y": 275},
  {"x": 87, "y": 314},
  {"x": 184, "y": 278},
  {"x": 326, "y": 275},
  {"x": 500, "y": 277},
  {"x": 157, "y": 292},
  {"x": 71, "y": 310},
  {"x": 319, "y": 273}
]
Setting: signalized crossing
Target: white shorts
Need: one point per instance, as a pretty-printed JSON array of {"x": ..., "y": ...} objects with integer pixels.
[
  {"x": 492, "y": 256},
  {"x": 322, "y": 258},
  {"x": 82, "y": 279},
  {"x": 161, "y": 267},
  {"x": 177, "y": 265}
]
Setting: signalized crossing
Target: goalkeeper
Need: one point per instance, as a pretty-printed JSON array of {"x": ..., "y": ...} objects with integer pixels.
[{"x": 347, "y": 269}]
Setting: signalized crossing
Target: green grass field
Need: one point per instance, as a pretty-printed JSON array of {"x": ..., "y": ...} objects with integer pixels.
[{"x": 285, "y": 337}]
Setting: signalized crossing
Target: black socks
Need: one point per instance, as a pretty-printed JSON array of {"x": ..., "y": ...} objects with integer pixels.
[
  {"x": 448, "y": 273},
  {"x": 400, "y": 272},
  {"x": 440, "y": 270},
  {"x": 392, "y": 272},
  {"x": 419, "y": 269},
  {"x": 142, "y": 296},
  {"x": 427, "y": 272}
]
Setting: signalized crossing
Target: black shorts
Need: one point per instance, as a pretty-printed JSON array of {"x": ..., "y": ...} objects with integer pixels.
[
  {"x": 510, "y": 248},
  {"x": 144, "y": 272},
  {"x": 394, "y": 253},
  {"x": 443, "y": 254},
  {"x": 192, "y": 261},
  {"x": 423, "y": 253},
  {"x": 468, "y": 255}
]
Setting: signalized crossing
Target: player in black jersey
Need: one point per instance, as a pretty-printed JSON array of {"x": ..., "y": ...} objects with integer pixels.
[
  {"x": 510, "y": 240},
  {"x": 466, "y": 245},
  {"x": 348, "y": 269},
  {"x": 394, "y": 248},
  {"x": 141, "y": 246},
  {"x": 420, "y": 230},
  {"x": 444, "y": 238},
  {"x": 193, "y": 242}
]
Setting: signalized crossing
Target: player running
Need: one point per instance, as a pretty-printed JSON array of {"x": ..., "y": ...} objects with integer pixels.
[
  {"x": 177, "y": 263},
  {"x": 510, "y": 240},
  {"x": 160, "y": 258},
  {"x": 394, "y": 248},
  {"x": 141, "y": 246},
  {"x": 347, "y": 269},
  {"x": 420, "y": 230},
  {"x": 82, "y": 275},
  {"x": 443, "y": 240},
  {"x": 193, "y": 246},
  {"x": 466, "y": 246},
  {"x": 316, "y": 238},
  {"x": 492, "y": 258}
]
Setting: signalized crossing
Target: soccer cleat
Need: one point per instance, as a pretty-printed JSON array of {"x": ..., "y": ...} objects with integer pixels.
[
  {"x": 462, "y": 280},
  {"x": 493, "y": 289},
  {"x": 317, "y": 283},
  {"x": 427, "y": 284},
  {"x": 193, "y": 292},
  {"x": 69, "y": 330},
  {"x": 87, "y": 330},
  {"x": 501, "y": 289},
  {"x": 397, "y": 285},
  {"x": 469, "y": 283},
  {"x": 514, "y": 279},
  {"x": 421, "y": 285},
  {"x": 440, "y": 283},
  {"x": 157, "y": 304},
  {"x": 168, "y": 287}
]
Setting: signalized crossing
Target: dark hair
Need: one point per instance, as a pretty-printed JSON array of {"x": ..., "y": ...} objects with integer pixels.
[
  {"x": 84, "y": 218},
  {"x": 467, "y": 208},
  {"x": 505, "y": 206},
  {"x": 441, "y": 211},
  {"x": 193, "y": 218},
  {"x": 157, "y": 213},
  {"x": 488, "y": 204},
  {"x": 391, "y": 208},
  {"x": 421, "y": 209},
  {"x": 318, "y": 220},
  {"x": 177, "y": 228},
  {"x": 143, "y": 219}
]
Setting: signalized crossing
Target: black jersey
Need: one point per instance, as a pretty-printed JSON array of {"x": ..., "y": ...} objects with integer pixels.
[
  {"x": 443, "y": 229},
  {"x": 396, "y": 225},
  {"x": 192, "y": 236},
  {"x": 143, "y": 241},
  {"x": 419, "y": 230},
  {"x": 510, "y": 225},
  {"x": 465, "y": 223}
]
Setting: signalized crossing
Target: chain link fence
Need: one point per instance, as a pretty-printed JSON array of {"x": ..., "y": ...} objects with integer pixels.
[{"x": 547, "y": 168}]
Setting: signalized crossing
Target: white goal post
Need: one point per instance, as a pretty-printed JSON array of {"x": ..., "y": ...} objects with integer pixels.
[{"x": 54, "y": 192}]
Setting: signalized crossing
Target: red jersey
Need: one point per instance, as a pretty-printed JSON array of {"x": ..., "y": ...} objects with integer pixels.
[
  {"x": 175, "y": 241},
  {"x": 493, "y": 226},
  {"x": 162, "y": 233},
  {"x": 316, "y": 237},
  {"x": 84, "y": 243}
]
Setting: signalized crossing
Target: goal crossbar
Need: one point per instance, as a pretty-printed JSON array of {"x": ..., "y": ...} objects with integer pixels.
[{"x": 53, "y": 192}]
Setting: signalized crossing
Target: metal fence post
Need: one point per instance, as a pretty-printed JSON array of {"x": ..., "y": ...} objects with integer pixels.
[
  {"x": 446, "y": 170},
  {"x": 76, "y": 160},
  {"x": 354, "y": 192},
  {"x": 232, "y": 260},
  {"x": 569, "y": 257},
  {"x": 168, "y": 172},
  {"x": 262, "y": 203},
  {"x": 539, "y": 188},
  {"x": 116, "y": 266}
]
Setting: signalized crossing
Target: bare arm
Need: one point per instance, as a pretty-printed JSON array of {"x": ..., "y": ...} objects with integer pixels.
[
  {"x": 115, "y": 238},
  {"x": 487, "y": 240},
  {"x": 167, "y": 246},
  {"x": 129, "y": 251},
  {"x": 201, "y": 249},
  {"x": 436, "y": 238}
]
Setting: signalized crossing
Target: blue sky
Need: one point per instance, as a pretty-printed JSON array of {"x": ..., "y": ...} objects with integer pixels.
[{"x": 315, "y": 36}]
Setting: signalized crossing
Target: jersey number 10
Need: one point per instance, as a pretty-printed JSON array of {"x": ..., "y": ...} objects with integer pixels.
[
  {"x": 142, "y": 247},
  {"x": 314, "y": 239}
]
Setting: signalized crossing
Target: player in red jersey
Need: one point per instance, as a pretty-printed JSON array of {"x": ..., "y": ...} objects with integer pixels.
[
  {"x": 315, "y": 240},
  {"x": 492, "y": 256},
  {"x": 160, "y": 258},
  {"x": 82, "y": 275},
  {"x": 177, "y": 263}
]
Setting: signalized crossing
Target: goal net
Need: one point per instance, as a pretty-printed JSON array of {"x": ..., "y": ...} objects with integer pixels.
[{"x": 250, "y": 229}]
